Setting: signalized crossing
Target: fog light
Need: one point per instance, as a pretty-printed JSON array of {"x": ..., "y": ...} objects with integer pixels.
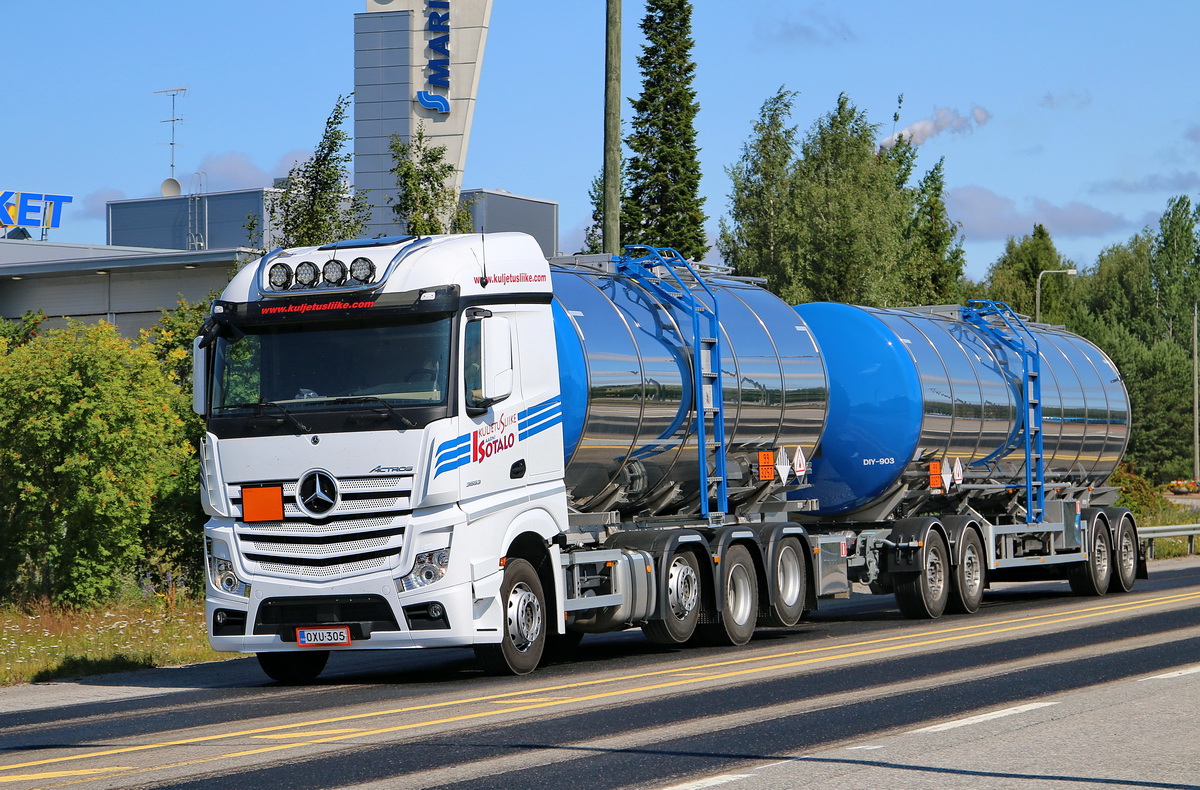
[
  {"x": 362, "y": 269},
  {"x": 436, "y": 611},
  {"x": 307, "y": 274},
  {"x": 334, "y": 272},
  {"x": 280, "y": 276}
]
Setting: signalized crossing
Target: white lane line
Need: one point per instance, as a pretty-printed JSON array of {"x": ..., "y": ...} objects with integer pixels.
[
  {"x": 1179, "y": 673},
  {"x": 712, "y": 781},
  {"x": 967, "y": 722},
  {"x": 865, "y": 748}
]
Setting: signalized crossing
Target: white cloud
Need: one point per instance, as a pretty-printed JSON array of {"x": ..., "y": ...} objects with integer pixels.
[
  {"x": 1176, "y": 182},
  {"x": 95, "y": 204},
  {"x": 1067, "y": 100},
  {"x": 987, "y": 216},
  {"x": 943, "y": 119},
  {"x": 812, "y": 27}
]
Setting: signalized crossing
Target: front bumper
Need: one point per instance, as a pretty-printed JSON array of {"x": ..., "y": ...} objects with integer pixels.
[{"x": 369, "y": 607}]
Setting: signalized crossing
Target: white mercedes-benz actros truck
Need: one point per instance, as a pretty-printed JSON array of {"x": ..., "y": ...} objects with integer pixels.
[{"x": 448, "y": 441}]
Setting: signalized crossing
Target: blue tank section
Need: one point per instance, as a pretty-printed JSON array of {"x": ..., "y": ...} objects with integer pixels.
[{"x": 873, "y": 421}]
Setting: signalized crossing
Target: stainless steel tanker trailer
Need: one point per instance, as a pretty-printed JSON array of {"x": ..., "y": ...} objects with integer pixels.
[{"x": 419, "y": 442}]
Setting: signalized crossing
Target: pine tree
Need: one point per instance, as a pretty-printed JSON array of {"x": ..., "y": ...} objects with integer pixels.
[{"x": 664, "y": 207}]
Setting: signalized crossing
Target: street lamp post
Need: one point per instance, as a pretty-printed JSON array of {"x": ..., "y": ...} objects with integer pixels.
[{"x": 1037, "y": 310}]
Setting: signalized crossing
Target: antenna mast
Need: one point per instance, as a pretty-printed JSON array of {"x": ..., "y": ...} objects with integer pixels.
[{"x": 173, "y": 120}]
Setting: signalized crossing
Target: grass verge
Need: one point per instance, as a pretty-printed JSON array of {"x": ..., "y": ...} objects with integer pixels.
[{"x": 43, "y": 642}]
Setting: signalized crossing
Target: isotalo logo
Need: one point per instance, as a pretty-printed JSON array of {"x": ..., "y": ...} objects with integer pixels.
[{"x": 482, "y": 449}]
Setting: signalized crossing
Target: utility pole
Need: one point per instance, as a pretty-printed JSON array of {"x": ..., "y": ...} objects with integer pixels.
[{"x": 612, "y": 130}]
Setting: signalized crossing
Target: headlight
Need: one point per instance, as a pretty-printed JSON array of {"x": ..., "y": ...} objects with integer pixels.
[
  {"x": 280, "y": 276},
  {"x": 430, "y": 567},
  {"x": 362, "y": 269},
  {"x": 220, "y": 570},
  {"x": 307, "y": 274},
  {"x": 334, "y": 272}
]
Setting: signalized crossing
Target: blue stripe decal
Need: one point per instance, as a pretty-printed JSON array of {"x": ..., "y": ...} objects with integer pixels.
[
  {"x": 452, "y": 454},
  {"x": 537, "y": 426}
]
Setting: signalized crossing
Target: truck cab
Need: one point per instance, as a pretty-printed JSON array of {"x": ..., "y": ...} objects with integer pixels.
[{"x": 383, "y": 433}]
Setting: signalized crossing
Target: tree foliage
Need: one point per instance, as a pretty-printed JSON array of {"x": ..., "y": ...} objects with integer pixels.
[
  {"x": 836, "y": 219},
  {"x": 662, "y": 206},
  {"x": 1013, "y": 277},
  {"x": 89, "y": 439},
  {"x": 170, "y": 545},
  {"x": 317, "y": 204},
  {"x": 426, "y": 201}
]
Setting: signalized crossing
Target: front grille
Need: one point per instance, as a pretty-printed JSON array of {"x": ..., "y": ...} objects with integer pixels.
[
  {"x": 363, "y": 532},
  {"x": 365, "y": 613},
  {"x": 322, "y": 572}
]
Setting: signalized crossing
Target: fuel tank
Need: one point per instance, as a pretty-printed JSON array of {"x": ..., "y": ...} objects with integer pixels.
[
  {"x": 922, "y": 384},
  {"x": 626, "y": 370}
]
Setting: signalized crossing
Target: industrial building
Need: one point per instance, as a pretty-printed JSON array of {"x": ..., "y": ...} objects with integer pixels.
[{"x": 159, "y": 249}]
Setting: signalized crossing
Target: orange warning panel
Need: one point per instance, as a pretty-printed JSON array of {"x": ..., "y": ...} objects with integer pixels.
[
  {"x": 766, "y": 465},
  {"x": 262, "y": 503},
  {"x": 935, "y": 474}
]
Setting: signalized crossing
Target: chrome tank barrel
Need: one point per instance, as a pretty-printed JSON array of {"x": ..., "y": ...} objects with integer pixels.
[
  {"x": 912, "y": 386},
  {"x": 626, "y": 369}
]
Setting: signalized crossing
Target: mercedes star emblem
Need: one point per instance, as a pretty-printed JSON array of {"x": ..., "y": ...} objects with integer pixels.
[{"x": 317, "y": 492}]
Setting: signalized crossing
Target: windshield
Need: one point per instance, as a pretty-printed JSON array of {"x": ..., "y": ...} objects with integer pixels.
[{"x": 384, "y": 365}]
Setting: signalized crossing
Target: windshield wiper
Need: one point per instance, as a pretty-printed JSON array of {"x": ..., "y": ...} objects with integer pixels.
[
  {"x": 407, "y": 423},
  {"x": 262, "y": 405}
]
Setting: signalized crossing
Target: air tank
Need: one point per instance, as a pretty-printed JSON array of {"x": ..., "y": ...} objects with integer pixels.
[
  {"x": 921, "y": 384},
  {"x": 627, "y": 388}
]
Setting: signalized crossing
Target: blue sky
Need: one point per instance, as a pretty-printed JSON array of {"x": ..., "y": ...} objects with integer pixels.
[{"x": 1081, "y": 116}]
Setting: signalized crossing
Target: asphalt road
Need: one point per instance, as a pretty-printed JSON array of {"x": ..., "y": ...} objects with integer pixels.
[{"x": 1039, "y": 689}]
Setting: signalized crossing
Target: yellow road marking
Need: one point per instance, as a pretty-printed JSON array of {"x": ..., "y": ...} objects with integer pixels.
[
  {"x": 308, "y": 734},
  {"x": 528, "y": 699},
  {"x": 61, "y": 774},
  {"x": 939, "y": 636}
]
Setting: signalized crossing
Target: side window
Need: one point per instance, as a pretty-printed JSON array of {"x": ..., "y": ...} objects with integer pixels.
[{"x": 473, "y": 363}]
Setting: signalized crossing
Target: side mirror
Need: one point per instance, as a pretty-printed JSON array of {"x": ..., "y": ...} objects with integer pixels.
[
  {"x": 199, "y": 374},
  {"x": 488, "y": 363},
  {"x": 497, "y": 360}
]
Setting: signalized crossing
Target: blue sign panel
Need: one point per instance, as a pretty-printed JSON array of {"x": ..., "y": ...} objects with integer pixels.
[
  {"x": 437, "y": 61},
  {"x": 31, "y": 209}
]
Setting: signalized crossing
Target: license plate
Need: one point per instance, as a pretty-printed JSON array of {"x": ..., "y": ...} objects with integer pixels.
[{"x": 329, "y": 636}]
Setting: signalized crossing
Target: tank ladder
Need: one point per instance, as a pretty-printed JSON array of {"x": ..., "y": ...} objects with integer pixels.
[
  {"x": 642, "y": 263},
  {"x": 1010, "y": 331}
]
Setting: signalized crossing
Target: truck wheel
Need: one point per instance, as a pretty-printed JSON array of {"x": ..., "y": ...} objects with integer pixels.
[
  {"x": 1092, "y": 576},
  {"x": 294, "y": 667},
  {"x": 524, "y": 635},
  {"x": 736, "y": 624},
  {"x": 923, "y": 595},
  {"x": 790, "y": 577},
  {"x": 1125, "y": 557},
  {"x": 681, "y": 611},
  {"x": 967, "y": 592}
]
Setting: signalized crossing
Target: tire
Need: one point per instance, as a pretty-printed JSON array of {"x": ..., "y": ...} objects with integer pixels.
[
  {"x": 966, "y": 594},
  {"x": 1125, "y": 558},
  {"x": 924, "y": 595},
  {"x": 1092, "y": 576},
  {"x": 294, "y": 667},
  {"x": 681, "y": 607},
  {"x": 790, "y": 578},
  {"x": 523, "y": 638},
  {"x": 739, "y": 615}
]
